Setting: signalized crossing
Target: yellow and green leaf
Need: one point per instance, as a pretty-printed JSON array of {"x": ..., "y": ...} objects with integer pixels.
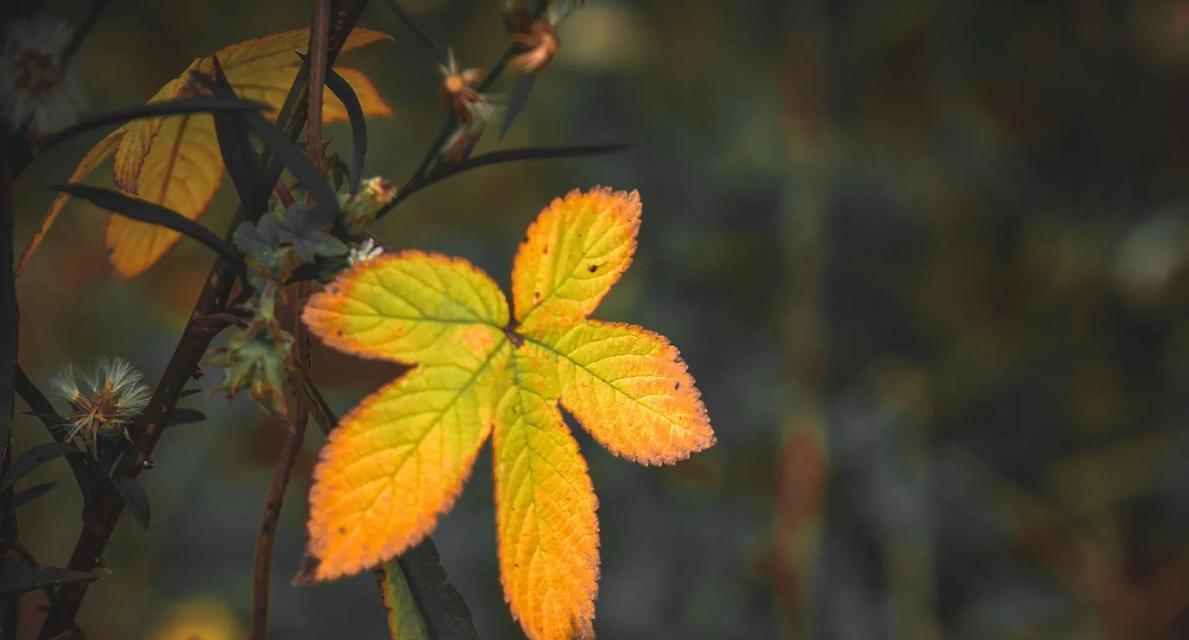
[
  {"x": 399, "y": 459},
  {"x": 630, "y": 389},
  {"x": 545, "y": 512},
  {"x": 572, "y": 255}
]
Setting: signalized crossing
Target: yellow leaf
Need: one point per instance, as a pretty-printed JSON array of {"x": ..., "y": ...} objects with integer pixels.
[
  {"x": 545, "y": 512},
  {"x": 572, "y": 255},
  {"x": 400, "y": 458},
  {"x": 396, "y": 462},
  {"x": 630, "y": 388},
  {"x": 174, "y": 161},
  {"x": 182, "y": 171},
  {"x": 263, "y": 70},
  {"x": 96, "y": 155},
  {"x": 410, "y": 307}
]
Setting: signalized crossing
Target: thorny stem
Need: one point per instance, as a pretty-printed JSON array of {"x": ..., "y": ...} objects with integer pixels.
[
  {"x": 294, "y": 437},
  {"x": 99, "y": 519},
  {"x": 298, "y": 412}
]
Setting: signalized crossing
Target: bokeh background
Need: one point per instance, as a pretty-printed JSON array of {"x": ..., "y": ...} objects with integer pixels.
[{"x": 927, "y": 260}]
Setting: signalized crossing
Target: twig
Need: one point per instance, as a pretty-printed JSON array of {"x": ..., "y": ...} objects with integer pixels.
[
  {"x": 100, "y": 518},
  {"x": 497, "y": 157},
  {"x": 427, "y": 39},
  {"x": 452, "y": 121},
  {"x": 295, "y": 434},
  {"x": 294, "y": 437}
]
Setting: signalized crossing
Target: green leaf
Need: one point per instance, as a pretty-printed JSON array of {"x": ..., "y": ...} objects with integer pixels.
[
  {"x": 18, "y": 578},
  {"x": 29, "y": 494},
  {"x": 135, "y": 497},
  {"x": 404, "y": 620},
  {"x": 442, "y": 608},
  {"x": 34, "y": 458}
]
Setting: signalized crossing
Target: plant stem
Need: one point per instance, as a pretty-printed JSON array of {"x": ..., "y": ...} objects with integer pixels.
[
  {"x": 422, "y": 173},
  {"x": 298, "y": 412},
  {"x": 99, "y": 519}
]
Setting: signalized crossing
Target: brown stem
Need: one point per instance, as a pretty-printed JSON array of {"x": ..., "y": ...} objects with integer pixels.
[
  {"x": 99, "y": 518},
  {"x": 295, "y": 434}
]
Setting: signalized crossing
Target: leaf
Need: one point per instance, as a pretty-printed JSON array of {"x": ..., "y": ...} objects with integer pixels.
[
  {"x": 29, "y": 494},
  {"x": 411, "y": 307},
  {"x": 545, "y": 514},
  {"x": 302, "y": 230},
  {"x": 399, "y": 459},
  {"x": 135, "y": 497},
  {"x": 243, "y": 164},
  {"x": 572, "y": 255},
  {"x": 94, "y": 157},
  {"x": 342, "y": 89},
  {"x": 630, "y": 389},
  {"x": 404, "y": 618},
  {"x": 183, "y": 415},
  {"x": 35, "y": 457},
  {"x": 199, "y": 104},
  {"x": 443, "y": 611},
  {"x": 175, "y": 161},
  {"x": 18, "y": 578},
  {"x": 148, "y": 213},
  {"x": 295, "y": 160}
]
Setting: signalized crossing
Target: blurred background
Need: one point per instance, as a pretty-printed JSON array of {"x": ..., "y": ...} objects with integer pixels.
[{"x": 927, "y": 260}]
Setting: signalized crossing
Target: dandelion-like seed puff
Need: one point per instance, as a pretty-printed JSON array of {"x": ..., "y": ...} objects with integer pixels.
[
  {"x": 36, "y": 86},
  {"x": 104, "y": 404}
]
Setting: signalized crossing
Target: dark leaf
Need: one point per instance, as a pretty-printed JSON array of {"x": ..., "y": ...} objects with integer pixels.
[
  {"x": 34, "y": 458},
  {"x": 302, "y": 230},
  {"x": 442, "y": 608},
  {"x": 183, "y": 415},
  {"x": 86, "y": 471},
  {"x": 201, "y": 104},
  {"x": 29, "y": 494},
  {"x": 346, "y": 94},
  {"x": 296, "y": 161},
  {"x": 144, "y": 211},
  {"x": 242, "y": 163},
  {"x": 135, "y": 497},
  {"x": 498, "y": 157},
  {"x": 516, "y": 101},
  {"x": 110, "y": 453},
  {"x": 18, "y": 578}
]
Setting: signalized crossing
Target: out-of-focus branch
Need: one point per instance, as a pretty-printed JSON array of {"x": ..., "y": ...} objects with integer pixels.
[{"x": 100, "y": 518}]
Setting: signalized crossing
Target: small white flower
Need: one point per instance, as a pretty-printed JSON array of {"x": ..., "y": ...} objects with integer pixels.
[
  {"x": 366, "y": 251},
  {"x": 36, "y": 88},
  {"x": 103, "y": 404}
]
